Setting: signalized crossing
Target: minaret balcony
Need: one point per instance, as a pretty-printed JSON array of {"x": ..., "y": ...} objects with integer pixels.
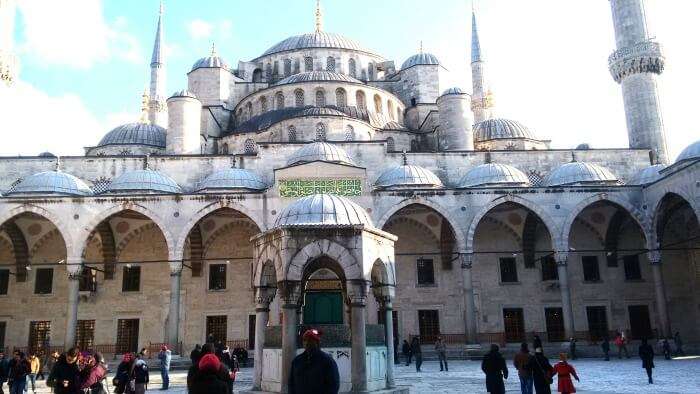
[{"x": 643, "y": 57}]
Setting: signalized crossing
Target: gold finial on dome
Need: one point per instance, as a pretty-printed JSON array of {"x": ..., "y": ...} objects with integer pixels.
[
  {"x": 213, "y": 49},
  {"x": 319, "y": 16}
]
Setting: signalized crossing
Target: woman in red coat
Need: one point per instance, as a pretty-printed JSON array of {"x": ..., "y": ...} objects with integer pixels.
[{"x": 564, "y": 371}]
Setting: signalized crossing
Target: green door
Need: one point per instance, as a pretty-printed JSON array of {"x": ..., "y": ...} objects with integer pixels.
[{"x": 323, "y": 308}]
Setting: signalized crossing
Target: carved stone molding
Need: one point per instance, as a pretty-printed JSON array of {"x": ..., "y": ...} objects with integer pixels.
[{"x": 643, "y": 57}]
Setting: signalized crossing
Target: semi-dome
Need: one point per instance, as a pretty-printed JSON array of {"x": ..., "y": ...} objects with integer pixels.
[
  {"x": 691, "y": 152},
  {"x": 143, "y": 181},
  {"x": 453, "y": 91},
  {"x": 320, "y": 151},
  {"x": 580, "y": 173},
  {"x": 323, "y": 210},
  {"x": 496, "y": 129},
  {"x": 46, "y": 154},
  {"x": 184, "y": 93},
  {"x": 318, "y": 39},
  {"x": 647, "y": 175},
  {"x": 211, "y": 61},
  {"x": 421, "y": 59},
  {"x": 135, "y": 134},
  {"x": 51, "y": 183},
  {"x": 232, "y": 179},
  {"x": 494, "y": 174},
  {"x": 317, "y": 76},
  {"x": 408, "y": 176}
]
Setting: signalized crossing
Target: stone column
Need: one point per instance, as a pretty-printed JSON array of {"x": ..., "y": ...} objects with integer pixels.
[
  {"x": 291, "y": 294},
  {"x": 388, "y": 308},
  {"x": 567, "y": 309},
  {"x": 357, "y": 293},
  {"x": 469, "y": 305},
  {"x": 174, "y": 308},
  {"x": 660, "y": 292},
  {"x": 74, "y": 267},
  {"x": 263, "y": 298}
]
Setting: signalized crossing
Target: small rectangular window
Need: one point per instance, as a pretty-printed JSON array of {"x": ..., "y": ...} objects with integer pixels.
[
  {"x": 4, "y": 281},
  {"x": 127, "y": 335},
  {"x": 549, "y": 269},
  {"x": 88, "y": 280},
  {"x": 632, "y": 269},
  {"x": 44, "y": 281},
  {"x": 131, "y": 280},
  {"x": 217, "y": 326},
  {"x": 509, "y": 271},
  {"x": 591, "y": 269},
  {"x": 426, "y": 272},
  {"x": 85, "y": 334},
  {"x": 428, "y": 325},
  {"x": 39, "y": 335},
  {"x": 217, "y": 277}
]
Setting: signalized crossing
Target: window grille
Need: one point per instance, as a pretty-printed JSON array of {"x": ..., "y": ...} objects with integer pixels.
[
  {"x": 39, "y": 335},
  {"x": 279, "y": 98},
  {"x": 330, "y": 64},
  {"x": 100, "y": 185},
  {"x": 85, "y": 334},
  {"x": 287, "y": 67},
  {"x": 292, "y": 134},
  {"x": 425, "y": 272},
  {"x": 349, "y": 133},
  {"x": 361, "y": 101},
  {"x": 320, "y": 98},
  {"x": 390, "y": 144},
  {"x": 320, "y": 132},
  {"x": 250, "y": 147},
  {"x": 127, "y": 336},
  {"x": 217, "y": 327},
  {"x": 217, "y": 277},
  {"x": 352, "y": 68},
  {"x": 308, "y": 64},
  {"x": 341, "y": 99},
  {"x": 131, "y": 279},
  {"x": 299, "y": 98}
]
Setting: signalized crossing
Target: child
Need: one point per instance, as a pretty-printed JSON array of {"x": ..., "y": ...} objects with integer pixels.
[{"x": 564, "y": 371}]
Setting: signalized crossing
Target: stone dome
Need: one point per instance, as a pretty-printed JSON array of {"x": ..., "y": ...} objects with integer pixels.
[
  {"x": 135, "y": 134},
  {"x": 51, "y": 183},
  {"x": 184, "y": 93},
  {"x": 421, "y": 59},
  {"x": 46, "y": 154},
  {"x": 408, "y": 176},
  {"x": 232, "y": 179},
  {"x": 211, "y": 61},
  {"x": 317, "y": 76},
  {"x": 143, "y": 181},
  {"x": 647, "y": 175},
  {"x": 453, "y": 91},
  {"x": 579, "y": 173},
  {"x": 494, "y": 174},
  {"x": 496, "y": 129},
  {"x": 320, "y": 151},
  {"x": 323, "y": 210},
  {"x": 318, "y": 39},
  {"x": 691, "y": 152}
]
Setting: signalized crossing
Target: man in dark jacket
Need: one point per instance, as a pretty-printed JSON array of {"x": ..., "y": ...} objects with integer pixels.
[
  {"x": 19, "y": 370},
  {"x": 66, "y": 374},
  {"x": 208, "y": 380},
  {"x": 223, "y": 373},
  {"x": 417, "y": 352},
  {"x": 646, "y": 353},
  {"x": 314, "y": 371},
  {"x": 4, "y": 370},
  {"x": 542, "y": 372},
  {"x": 606, "y": 348},
  {"x": 406, "y": 350},
  {"x": 494, "y": 366}
]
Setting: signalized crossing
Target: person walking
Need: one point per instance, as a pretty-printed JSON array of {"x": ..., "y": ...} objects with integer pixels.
[
  {"x": 208, "y": 380},
  {"x": 42, "y": 365},
  {"x": 406, "y": 351},
  {"x": 122, "y": 378},
  {"x": 92, "y": 375},
  {"x": 34, "y": 369},
  {"x": 313, "y": 371},
  {"x": 679, "y": 344},
  {"x": 417, "y": 352},
  {"x": 646, "y": 353},
  {"x": 606, "y": 348},
  {"x": 665, "y": 346},
  {"x": 140, "y": 373},
  {"x": 165, "y": 356},
  {"x": 4, "y": 370},
  {"x": 537, "y": 342},
  {"x": 572, "y": 348},
  {"x": 441, "y": 350},
  {"x": 523, "y": 363},
  {"x": 564, "y": 371},
  {"x": 65, "y": 375},
  {"x": 495, "y": 369},
  {"x": 621, "y": 343},
  {"x": 19, "y": 370},
  {"x": 542, "y": 372}
]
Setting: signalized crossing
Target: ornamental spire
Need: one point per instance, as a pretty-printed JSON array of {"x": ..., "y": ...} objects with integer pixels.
[
  {"x": 213, "y": 49},
  {"x": 157, "y": 109},
  {"x": 476, "y": 44},
  {"x": 157, "y": 56},
  {"x": 319, "y": 17}
]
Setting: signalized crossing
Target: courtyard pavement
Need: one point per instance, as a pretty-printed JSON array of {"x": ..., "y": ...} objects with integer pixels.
[{"x": 681, "y": 376}]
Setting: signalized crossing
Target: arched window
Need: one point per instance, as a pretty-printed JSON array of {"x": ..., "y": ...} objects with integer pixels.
[
  {"x": 263, "y": 104},
  {"x": 250, "y": 147},
  {"x": 352, "y": 68},
  {"x": 224, "y": 149},
  {"x": 257, "y": 75},
  {"x": 330, "y": 64},
  {"x": 390, "y": 144},
  {"x": 299, "y": 98},
  {"x": 276, "y": 70},
  {"x": 239, "y": 116},
  {"x": 249, "y": 110},
  {"x": 361, "y": 101},
  {"x": 320, "y": 132},
  {"x": 349, "y": 133},
  {"x": 320, "y": 98},
  {"x": 414, "y": 146},
  {"x": 292, "y": 134},
  {"x": 364, "y": 75},
  {"x": 341, "y": 98},
  {"x": 296, "y": 66},
  {"x": 268, "y": 72},
  {"x": 308, "y": 64},
  {"x": 377, "y": 103},
  {"x": 287, "y": 67},
  {"x": 390, "y": 109},
  {"x": 370, "y": 71},
  {"x": 279, "y": 100}
]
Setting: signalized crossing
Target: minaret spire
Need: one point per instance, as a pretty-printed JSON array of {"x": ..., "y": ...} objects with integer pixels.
[
  {"x": 482, "y": 98},
  {"x": 8, "y": 61},
  {"x": 157, "y": 110},
  {"x": 319, "y": 16}
]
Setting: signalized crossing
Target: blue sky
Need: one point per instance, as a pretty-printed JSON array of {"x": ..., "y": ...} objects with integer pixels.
[{"x": 85, "y": 62}]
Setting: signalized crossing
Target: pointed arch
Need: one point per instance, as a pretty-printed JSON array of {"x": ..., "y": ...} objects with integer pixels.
[
  {"x": 660, "y": 215},
  {"x": 323, "y": 248}
]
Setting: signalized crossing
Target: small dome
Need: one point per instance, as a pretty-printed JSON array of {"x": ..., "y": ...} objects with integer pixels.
[
  {"x": 51, "y": 183},
  {"x": 579, "y": 173},
  {"x": 46, "y": 154},
  {"x": 135, "y": 134},
  {"x": 323, "y": 210},
  {"x": 320, "y": 151},
  {"x": 691, "y": 152},
  {"x": 647, "y": 175},
  {"x": 183, "y": 93},
  {"x": 408, "y": 176},
  {"x": 230, "y": 179},
  {"x": 143, "y": 181},
  {"x": 583, "y": 146},
  {"x": 319, "y": 39},
  {"x": 496, "y": 129},
  {"x": 493, "y": 174},
  {"x": 454, "y": 90},
  {"x": 421, "y": 59},
  {"x": 211, "y": 61},
  {"x": 317, "y": 76}
]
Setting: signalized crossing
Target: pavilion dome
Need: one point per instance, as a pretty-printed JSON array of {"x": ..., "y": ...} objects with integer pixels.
[
  {"x": 494, "y": 174},
  {"x": 497, "y": 129},
  {"x": 135, "y": 134},
  {"x": 580, "y": 173},
  {"x": 211, "y": 61},
  {"x": 144, "y": 181},
  {"x": 408, "y": 176},
  {"x": 232, "y": 179},
  {"x": 51, "y": 183},
  {"x": 647, "y": 175},
  {"x": 691, "y": 152},
  {"x": 318, "y": 39},
  {"x": 323, "y": 210},
  {"x": 421, "y": 59},
  {"x": 320, "y": 151},
  {"x": 184, "y": 93}
]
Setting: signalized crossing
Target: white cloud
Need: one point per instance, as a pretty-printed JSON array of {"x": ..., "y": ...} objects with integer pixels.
[
  {"x": 200, "y": 29},
  {"x": 76, "y": 35}
]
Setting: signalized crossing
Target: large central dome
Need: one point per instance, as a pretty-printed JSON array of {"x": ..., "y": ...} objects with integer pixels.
[{"x": 319, "y": 39}]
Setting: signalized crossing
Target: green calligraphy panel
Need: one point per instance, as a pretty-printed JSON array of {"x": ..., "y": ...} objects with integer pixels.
[{"x": 296, "y": 188}]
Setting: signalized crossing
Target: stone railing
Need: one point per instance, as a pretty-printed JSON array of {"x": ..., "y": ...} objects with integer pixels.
[{"x": 643, "y": 57}]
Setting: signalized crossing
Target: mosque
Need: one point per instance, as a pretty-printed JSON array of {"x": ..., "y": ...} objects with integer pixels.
[{"x": 322, "y": 184}]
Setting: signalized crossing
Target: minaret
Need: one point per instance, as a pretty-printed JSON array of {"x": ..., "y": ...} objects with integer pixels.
[
  {"x": 636, "y": 65},
  {"x": 482, "y": 98},
  {"x": 8, "y": 61},
  {"x": 319, "y": 17},
  {"x": 157, "y": 109}
]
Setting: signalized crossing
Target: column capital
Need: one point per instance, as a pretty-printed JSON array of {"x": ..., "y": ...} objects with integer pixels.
[
  {"x": 466, "y": 260},
  {"x": 357, "y": 292},
  {"x": 290, "y": 293},
  {"x": 562, "y": 258},
  {"x": 385, "y": 302},
  {"x": 74, "y": 267},
  {"x": 654, "y": 257},
  {"x": 176, "y": 268},
  {"x": 264, "y": 296}
]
